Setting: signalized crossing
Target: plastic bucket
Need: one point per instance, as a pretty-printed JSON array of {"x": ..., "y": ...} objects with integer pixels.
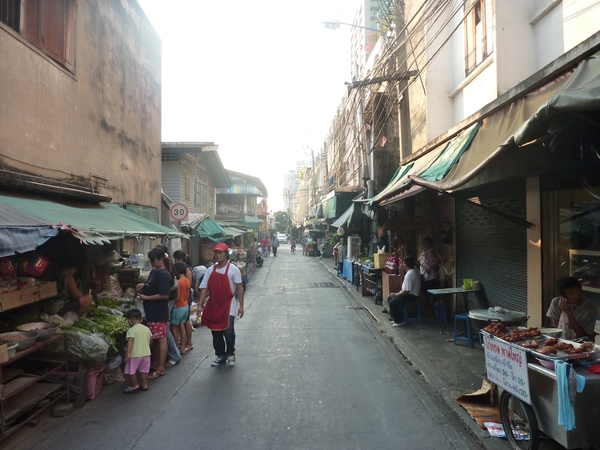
[{"x": 468, "y": 283}]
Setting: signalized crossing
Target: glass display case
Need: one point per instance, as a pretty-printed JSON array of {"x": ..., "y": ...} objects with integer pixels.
[{"x": 585, "y": 266}]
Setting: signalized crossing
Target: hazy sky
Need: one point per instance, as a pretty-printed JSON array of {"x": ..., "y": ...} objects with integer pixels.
[{"x": 260, "y": 79}]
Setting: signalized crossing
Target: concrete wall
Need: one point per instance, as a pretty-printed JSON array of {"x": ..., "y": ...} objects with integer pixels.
[
  {"x": 527, "y": 35},
  {"x": 103, "y": 119}
]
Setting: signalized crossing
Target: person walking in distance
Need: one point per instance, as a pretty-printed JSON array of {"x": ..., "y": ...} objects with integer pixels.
[
  {"x": 275, "y": 245},
  {"x": 222, "y": 284}
]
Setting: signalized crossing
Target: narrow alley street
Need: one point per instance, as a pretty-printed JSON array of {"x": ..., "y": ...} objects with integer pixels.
[{"x": 311, "y": 373}]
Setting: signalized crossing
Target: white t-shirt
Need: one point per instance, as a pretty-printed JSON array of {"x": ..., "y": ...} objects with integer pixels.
[
  {"x": 235, "y": 277},
  {"x": 585, "y": 315},
  {"x": 412, "y": 282}
]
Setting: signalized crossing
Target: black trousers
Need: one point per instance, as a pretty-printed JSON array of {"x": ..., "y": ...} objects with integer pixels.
[{"x": 397, "y": 306}]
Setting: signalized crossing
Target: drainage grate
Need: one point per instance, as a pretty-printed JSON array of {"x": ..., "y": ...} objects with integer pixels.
[
  {"x": 322, "y": 285},
  {"x": 355, "y": 307}
]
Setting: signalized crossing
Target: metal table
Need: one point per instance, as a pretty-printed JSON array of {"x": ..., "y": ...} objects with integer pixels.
[
  {"x": 456, "y": 290},
  {"x": 371, "y": 283},
  {"x": 444, "y": 291}
]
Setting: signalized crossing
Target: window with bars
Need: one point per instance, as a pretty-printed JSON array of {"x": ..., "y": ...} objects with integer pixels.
[
  {"x": 478, "y": 33},
  {"x": 168, "y": 156},
  {"x": 47, "y": 24}
]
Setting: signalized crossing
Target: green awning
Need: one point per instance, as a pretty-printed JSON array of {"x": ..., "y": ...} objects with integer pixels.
[
  {"x": 395, "y": 183},
  {"x": 91, "y": 223},
  {"x": 450, "y": 155},
  {"x": 212, "y": 230},
  {"x": 329, "y": 208},
  {"x": 433, "y": 166},
  {"x": 232, "y": 231},
  {"x": 250, "y": 222},
  {"x": 144, "y": 211}
]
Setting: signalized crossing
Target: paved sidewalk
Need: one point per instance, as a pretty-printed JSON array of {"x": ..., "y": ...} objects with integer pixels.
[{"x": 451, "y": 370}]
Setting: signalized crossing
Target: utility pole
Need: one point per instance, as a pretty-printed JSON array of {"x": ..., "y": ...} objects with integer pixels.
[{"x": 401, "y": 68}]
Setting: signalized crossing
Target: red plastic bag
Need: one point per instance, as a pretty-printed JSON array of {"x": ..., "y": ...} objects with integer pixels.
[{"x": 7, "y": 268}]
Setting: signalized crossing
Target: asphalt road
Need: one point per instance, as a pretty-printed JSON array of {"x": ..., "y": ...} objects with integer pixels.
[{"x": 311, "y": 373}]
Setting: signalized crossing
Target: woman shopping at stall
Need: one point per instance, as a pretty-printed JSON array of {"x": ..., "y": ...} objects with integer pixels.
[{"x": 67, "y": 287}]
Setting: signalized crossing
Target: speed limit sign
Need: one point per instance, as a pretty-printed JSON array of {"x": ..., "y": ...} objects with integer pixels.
[{"x": 178, "y": 212}]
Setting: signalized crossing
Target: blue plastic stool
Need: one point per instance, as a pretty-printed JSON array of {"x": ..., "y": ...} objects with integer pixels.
[
  {"x": 468, "y": 336},
  {"x": 417, "y": 318}
]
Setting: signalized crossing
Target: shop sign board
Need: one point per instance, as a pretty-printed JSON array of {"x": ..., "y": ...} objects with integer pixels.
[
  {"x": 178, "y": 212},
  {"x": 506, "y": 366}
]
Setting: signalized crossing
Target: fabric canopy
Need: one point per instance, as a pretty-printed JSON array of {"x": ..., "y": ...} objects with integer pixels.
[
  {"x": 413, "y": 190},
  {"x": 250, "y": 222},
  {"x": 21, "y": 232},
  {"x": 329, "y": 208},
  {"x": 91, "y": 223},
  {"x": 580, "y": 93},
  {"x": 23, "y": 239},
  {"x": 232, "y": 230},
  {"x": 212, "y": 230},
  {"x": 394, "y": 183},
  {"x": 345, "y": 217},
  {"x": 144, "y": 211},
  {"x": 494, "y": 137},
  {"x": 450, "y": 155},
  {"x": 413, "y": 168}
]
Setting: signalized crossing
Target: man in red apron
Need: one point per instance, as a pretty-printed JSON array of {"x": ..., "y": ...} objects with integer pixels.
[{"x": 220, "y": 291}]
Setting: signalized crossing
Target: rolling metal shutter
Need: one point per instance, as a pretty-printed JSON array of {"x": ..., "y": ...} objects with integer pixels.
[{"x": 492, "y": 249}]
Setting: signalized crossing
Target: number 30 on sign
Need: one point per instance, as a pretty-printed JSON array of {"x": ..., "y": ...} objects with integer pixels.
[{"x": 178, "y": 212}]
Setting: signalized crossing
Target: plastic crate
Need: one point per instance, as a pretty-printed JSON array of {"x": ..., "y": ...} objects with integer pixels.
[{"x": 94, "y": 381}]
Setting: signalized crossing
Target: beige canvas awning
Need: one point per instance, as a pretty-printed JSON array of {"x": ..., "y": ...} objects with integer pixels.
[{"x": 494, "y": 137}]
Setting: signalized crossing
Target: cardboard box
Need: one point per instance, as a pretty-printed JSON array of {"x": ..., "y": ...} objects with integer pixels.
[
  {"x": 3, "y": 353},
  {"x": 380, "y": 259},
  {"x": 47, "y": 290},
  {"x": 10, "y": 300},
  {"x": 30, "y": 295}
]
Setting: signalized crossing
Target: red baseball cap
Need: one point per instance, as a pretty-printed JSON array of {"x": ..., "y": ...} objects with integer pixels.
[{"x": 221, "y": 247}]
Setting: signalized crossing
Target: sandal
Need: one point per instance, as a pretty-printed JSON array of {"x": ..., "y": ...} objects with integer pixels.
[
  {"x": 172, "y": 363},
  {"x": 143, "y": 388},
  {"x": 156, "y": 375},
  {"x": 130, "y": 390}
]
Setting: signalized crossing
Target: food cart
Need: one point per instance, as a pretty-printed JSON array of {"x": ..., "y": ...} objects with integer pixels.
[{"x": 529, "y": 400}]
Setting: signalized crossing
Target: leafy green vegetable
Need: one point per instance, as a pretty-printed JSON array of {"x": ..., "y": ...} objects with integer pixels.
[{"x": 108, "y": 302}]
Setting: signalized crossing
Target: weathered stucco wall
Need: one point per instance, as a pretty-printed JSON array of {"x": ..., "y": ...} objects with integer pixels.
[{"x": 103, "y": 119}]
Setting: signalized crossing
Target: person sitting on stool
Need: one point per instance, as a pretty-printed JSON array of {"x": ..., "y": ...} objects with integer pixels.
[{"x": 411, "y": 287}]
